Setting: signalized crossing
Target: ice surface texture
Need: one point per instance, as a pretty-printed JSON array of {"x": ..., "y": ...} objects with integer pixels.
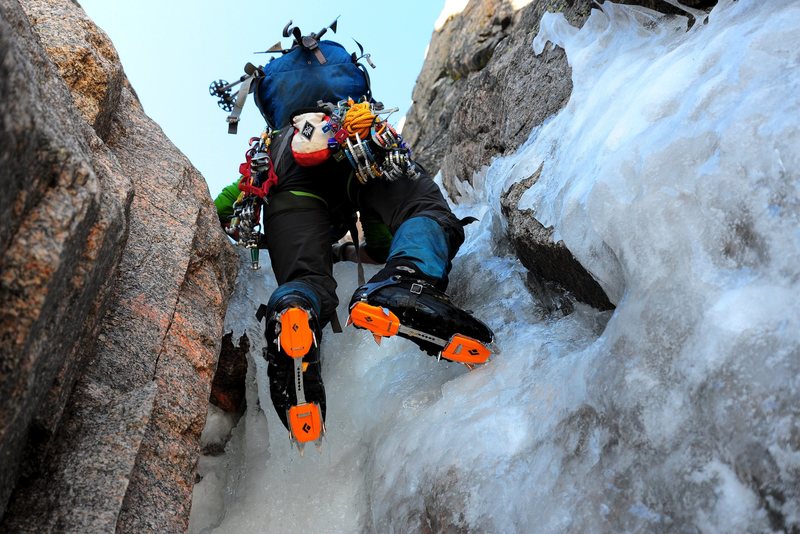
[{"x": 672, "y": 175}]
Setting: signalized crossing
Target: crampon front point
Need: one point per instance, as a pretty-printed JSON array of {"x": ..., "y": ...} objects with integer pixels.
[
  {"x": 305, "y": 422},
  {"x": 382, "y": 322}
]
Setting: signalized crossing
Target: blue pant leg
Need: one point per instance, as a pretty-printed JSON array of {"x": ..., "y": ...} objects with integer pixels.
[{"x": 422, "y": 242}]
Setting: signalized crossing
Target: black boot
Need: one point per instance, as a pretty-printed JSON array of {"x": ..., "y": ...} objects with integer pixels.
[
  {"x": 399, "y": 300},
  {"x": 294, "y": 367}
]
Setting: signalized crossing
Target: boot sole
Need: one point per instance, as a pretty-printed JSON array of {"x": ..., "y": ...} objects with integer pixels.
[{"x": 384, "y": 323}]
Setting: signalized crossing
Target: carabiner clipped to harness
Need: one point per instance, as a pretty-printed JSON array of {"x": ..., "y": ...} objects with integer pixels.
[
  {"x": 258, "y": 176},
  {"x": 370, "y": 144}
]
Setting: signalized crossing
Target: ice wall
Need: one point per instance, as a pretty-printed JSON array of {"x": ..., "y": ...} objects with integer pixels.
[{"x": 672, "y": 174}]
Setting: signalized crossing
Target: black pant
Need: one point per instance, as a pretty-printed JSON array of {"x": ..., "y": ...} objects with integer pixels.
[{"x": 299, "y": 229}]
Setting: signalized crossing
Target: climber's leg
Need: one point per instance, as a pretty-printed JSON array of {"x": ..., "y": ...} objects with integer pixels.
[
  {"x": 405, "y": 297},
  {"x": 409, "y": 202},
  {"x": 299, "y": 248}
]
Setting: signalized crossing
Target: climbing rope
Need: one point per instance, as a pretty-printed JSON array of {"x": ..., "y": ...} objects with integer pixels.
[
  {"x": 359, "y": 119},
  {"x": 372, "y": 147}
]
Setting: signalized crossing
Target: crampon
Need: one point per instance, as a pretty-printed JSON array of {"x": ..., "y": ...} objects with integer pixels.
[
  {"x": 295, "y": 376},
  {"x": 417, "y": 311}
]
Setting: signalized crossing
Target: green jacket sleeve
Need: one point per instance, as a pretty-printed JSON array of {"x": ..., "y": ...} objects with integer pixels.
[
  {"x": 377, "y": 236},
  {"x": 225, "y": 200}
]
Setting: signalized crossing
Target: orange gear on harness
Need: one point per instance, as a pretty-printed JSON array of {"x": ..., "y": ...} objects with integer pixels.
[{"x": 359, "y": 119}]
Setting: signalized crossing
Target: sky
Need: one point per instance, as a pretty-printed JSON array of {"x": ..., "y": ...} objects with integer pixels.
[{"x": 171, "y": 52}]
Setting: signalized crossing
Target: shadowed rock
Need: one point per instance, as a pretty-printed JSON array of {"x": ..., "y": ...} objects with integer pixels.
[
  {"x": 228, "y": 388},
  {"x": 544, "y": 258}
]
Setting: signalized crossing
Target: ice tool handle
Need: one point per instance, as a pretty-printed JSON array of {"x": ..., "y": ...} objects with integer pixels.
[
  {"x": 308, "y": 42},
  {"x": 222, "y": 90}
]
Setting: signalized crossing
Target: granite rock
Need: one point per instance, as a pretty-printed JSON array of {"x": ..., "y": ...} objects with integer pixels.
[
  {"x": 129, "y": 276},
  {"x": 83, "y": 491},
  {"x": 64, "y": 224}
]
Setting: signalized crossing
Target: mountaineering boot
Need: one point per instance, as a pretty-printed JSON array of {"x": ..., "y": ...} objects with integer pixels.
[
  {"x": 294, "y": 368},
  {"x": 401, "y": 301}
]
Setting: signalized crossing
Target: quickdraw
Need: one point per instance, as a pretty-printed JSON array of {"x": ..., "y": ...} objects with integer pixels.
[
  {"x": 258, "y": 176},
  {"x": 370, "y": 144}
]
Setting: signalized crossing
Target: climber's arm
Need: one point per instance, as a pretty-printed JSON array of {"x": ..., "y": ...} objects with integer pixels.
[{"x": 225, "y": 200}]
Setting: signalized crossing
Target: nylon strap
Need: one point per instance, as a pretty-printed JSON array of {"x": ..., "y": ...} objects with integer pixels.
[
  {"x": 276, "y": 158},
  {"x": 261, "y": 312},
  {"x": 336, "y": 326},
  {"x": 357, "y": 243},
  {"x": 233, "y": 118},
  {"x": 288, "y": 200}
]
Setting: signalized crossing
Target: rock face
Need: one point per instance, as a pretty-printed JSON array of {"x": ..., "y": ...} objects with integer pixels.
[
  {"x": 64, "y": 214},
  {"x": 480, "y": 94},
  {"x": 548, "y": 261},
  {"x": 481, "y": 90},
  {"x": 115, "y": 278}
]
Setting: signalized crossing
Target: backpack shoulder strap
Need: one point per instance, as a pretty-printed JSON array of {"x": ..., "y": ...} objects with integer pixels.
[{"x": 241, "y": 97}]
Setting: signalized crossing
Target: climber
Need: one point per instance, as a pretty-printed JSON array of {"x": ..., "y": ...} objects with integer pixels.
[{"x": 332, "y": 158}]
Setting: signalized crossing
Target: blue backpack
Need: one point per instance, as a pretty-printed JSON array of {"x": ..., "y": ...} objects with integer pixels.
[
  {"x": 310, "y": 71},
  {"x": 297, "y": 80}
]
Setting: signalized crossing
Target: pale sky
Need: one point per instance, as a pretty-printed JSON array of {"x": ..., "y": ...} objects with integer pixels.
[{"x": 171, "y": 51}]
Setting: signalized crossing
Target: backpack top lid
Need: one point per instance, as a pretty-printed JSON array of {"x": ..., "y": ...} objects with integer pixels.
[{"x": 297, "y": 80}]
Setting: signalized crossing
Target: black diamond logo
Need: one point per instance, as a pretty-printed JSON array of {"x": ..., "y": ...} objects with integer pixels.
[
  {"x": 295, "y": 327},
  {"x": 308, "y": 130},
  {"x": 306, "y": 428},
  {"x": 474, "y": 352}
]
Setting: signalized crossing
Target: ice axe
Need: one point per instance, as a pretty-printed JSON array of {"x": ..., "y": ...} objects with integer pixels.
[{"x": 308, "y": 42}]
